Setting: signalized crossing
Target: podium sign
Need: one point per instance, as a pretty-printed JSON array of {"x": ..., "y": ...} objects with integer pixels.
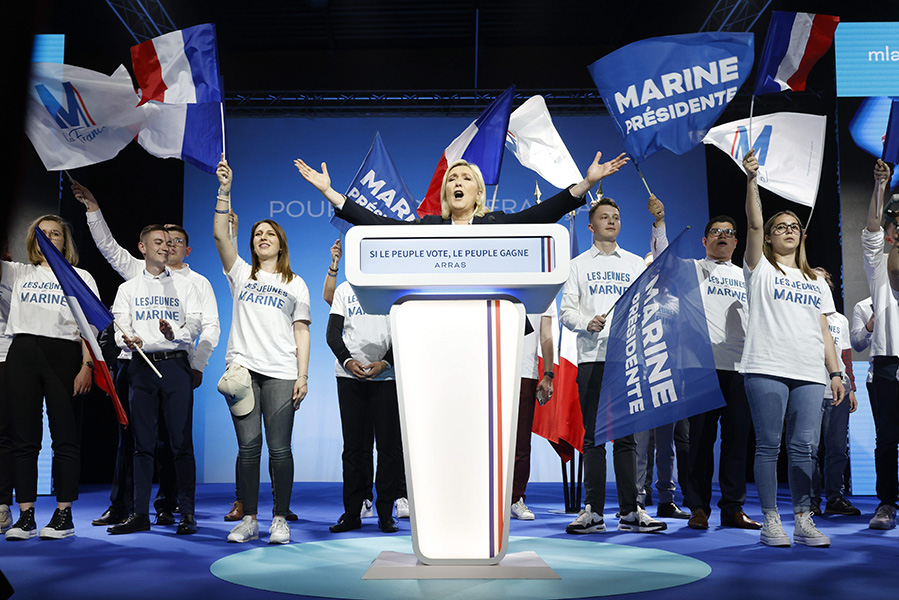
[
  {"x": 457, "y": 298},
  {"x": 387, "y": 262}
]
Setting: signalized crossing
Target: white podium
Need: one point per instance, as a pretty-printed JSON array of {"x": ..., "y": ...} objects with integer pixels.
[{"x": 457, "y": 298}]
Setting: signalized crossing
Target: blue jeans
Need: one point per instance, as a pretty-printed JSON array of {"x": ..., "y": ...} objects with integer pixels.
[
  {"x": 273, "y": 405},
  {"x": 775, "y": 402}
]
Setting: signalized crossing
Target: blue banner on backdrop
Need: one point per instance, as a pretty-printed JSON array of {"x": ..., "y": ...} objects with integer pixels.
[
  {"x": 378, "y": 187},
  {"x": 667, "y": 92},
  {"x": 659, "y": 363}
]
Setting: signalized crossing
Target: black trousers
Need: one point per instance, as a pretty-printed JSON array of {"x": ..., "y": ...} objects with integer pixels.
[
  {"x": 45, "y": 369},
  {"x": 7, "y": 459},
  {"x": 121, "y": 494},
  {"x": 367, "y": 405},
  {"x": 736, "y": 424},
  {"x": 624, "y": 449},
  {"x": 885, "y": 406},
  {"x": 172, "y": 395}
]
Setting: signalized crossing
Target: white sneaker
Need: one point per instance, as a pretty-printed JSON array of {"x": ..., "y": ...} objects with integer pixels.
[
  {"x": 639, "y": 521},
  {"x": 884, "y": 518},
  {"x": 402, "y": 508},
  {"x": 279, "y": 532},
  {"x": 245, "y": 531},
  {"x": 806, "y": 533},
  {"x": 366, "y": 509},
  {"x": 587, "y": 521},
  {"x": 521, "y": 511},
  {"x": 5, "y": 518},
  {"x": 773, "y": 533}
]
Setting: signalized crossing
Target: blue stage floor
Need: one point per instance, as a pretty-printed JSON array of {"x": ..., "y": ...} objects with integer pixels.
[{"x": 160, "y": 565}]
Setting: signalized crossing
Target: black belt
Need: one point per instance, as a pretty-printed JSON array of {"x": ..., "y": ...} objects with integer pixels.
[{"x": 161, "y": 356}]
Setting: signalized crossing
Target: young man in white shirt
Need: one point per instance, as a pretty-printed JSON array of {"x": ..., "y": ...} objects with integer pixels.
[
  {"x": 164, "y": 315},
  {"x": 884, "y": 351},
  {"x": 598, "y": 278},
  {"x": 129, "y": 267}
]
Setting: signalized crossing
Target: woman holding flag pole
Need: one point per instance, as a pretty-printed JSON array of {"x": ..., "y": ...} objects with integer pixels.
[
  {"x": 50, "y": 360},
  {"x": 269, "y": 347},
  {"x": 787, "y": 341}
]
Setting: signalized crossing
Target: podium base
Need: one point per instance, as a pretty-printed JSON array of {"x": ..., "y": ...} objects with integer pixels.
[{"x": 520, "y": 565}]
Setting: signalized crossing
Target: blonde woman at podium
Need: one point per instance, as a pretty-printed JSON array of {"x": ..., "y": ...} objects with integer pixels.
[{"x": 463, "y": 197}]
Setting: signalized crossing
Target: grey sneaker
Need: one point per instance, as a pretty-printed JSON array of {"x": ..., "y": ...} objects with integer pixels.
[
  {"x": 806, "y": 533},
  {"x": 5, "y": 518},
  {"x": 587, "y": 521},
  {"x": 773, "y": 533},
  {"x": 521, "y": 511},
  {"x": 884, "y": 518},
  {"x": 402, "y": 508},
  {"x": 279, "y": 532},
  {"x": 366, "y": 509},
  {"x": 245, "y": 531},
  {"x": 639, "y": 521}
]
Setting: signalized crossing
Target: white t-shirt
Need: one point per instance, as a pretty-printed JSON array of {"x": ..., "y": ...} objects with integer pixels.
[
  {"x": 595, "y": 282},
  {"x": 783, "y": 337},
  {"x": 5, "y": 298},
  {"x": 859, "y": 334},
  {"x": 129, "y": 267},
  {"x": 264, "y": 311},
  {"x": 38, "y": 305},
  {"x": 367, "y": 337},
  {"x": 724, "y": 298},
  {"x": 142, "y": 301},
  {"x": 532, "y": 351},
  {"x": 885, "y": 341},
  {"x": 839, "y": 329}
]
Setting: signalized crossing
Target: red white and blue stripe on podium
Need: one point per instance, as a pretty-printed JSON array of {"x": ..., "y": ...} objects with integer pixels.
[{"x": 496, "y": 470}]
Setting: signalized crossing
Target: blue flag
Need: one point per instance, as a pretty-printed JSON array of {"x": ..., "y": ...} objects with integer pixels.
[
  {"x": 378, "y": 187},
  {"x": 891, "y": 137},
  {"x": 659, "y": 363},
  {"x": 667, "y": 92}
]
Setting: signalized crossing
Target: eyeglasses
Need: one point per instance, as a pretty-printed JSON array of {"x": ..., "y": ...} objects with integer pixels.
[
  {"x": 717, "y": 231},
  {"x": 177, "y": 241},
  {"x": 782, "y": 228}
]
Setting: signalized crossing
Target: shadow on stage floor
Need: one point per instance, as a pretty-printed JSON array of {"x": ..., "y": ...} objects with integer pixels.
[{"x": 860, "y": 564}]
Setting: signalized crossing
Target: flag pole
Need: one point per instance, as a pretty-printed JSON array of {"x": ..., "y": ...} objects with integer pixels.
[
  {"x": 751, "y": 110},
  {"x": 646, "y": 185},
  {"x": 493, "y": 201},
  {"x": 139, "y": 351}
]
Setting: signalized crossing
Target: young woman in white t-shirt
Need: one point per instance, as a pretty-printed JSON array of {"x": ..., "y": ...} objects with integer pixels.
[
  {"x": 52, "y": 363},
  {"x": 787, "y": 341},
  {"x": 270, "y": 338}
]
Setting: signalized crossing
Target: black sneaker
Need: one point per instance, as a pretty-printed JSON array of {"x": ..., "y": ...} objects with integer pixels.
[
  {"x": 815, "y": 508},
  {"x": 60, "y": 526},
  {"x": 841, "y": 506},
  {"x": 23, "y": 529}
]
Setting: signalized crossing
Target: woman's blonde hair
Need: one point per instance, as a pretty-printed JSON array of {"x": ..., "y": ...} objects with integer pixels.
[
  {"x": 283, "y": 265},
  {"x": 801, "y": 260},
  {"x": 69, "y": 251},
  {"x": 480, "y": 205}
]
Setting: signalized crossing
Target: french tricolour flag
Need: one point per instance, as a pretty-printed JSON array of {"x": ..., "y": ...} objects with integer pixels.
[
  {"x": 794, "y": 43},
  {"x": 180, "y": 67},
  {"x": 560, "y": 420},
  {"x": 481, "y": 143},
  {"x": 178, "y": 74},
  {"x": 88, "y": 311}
]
